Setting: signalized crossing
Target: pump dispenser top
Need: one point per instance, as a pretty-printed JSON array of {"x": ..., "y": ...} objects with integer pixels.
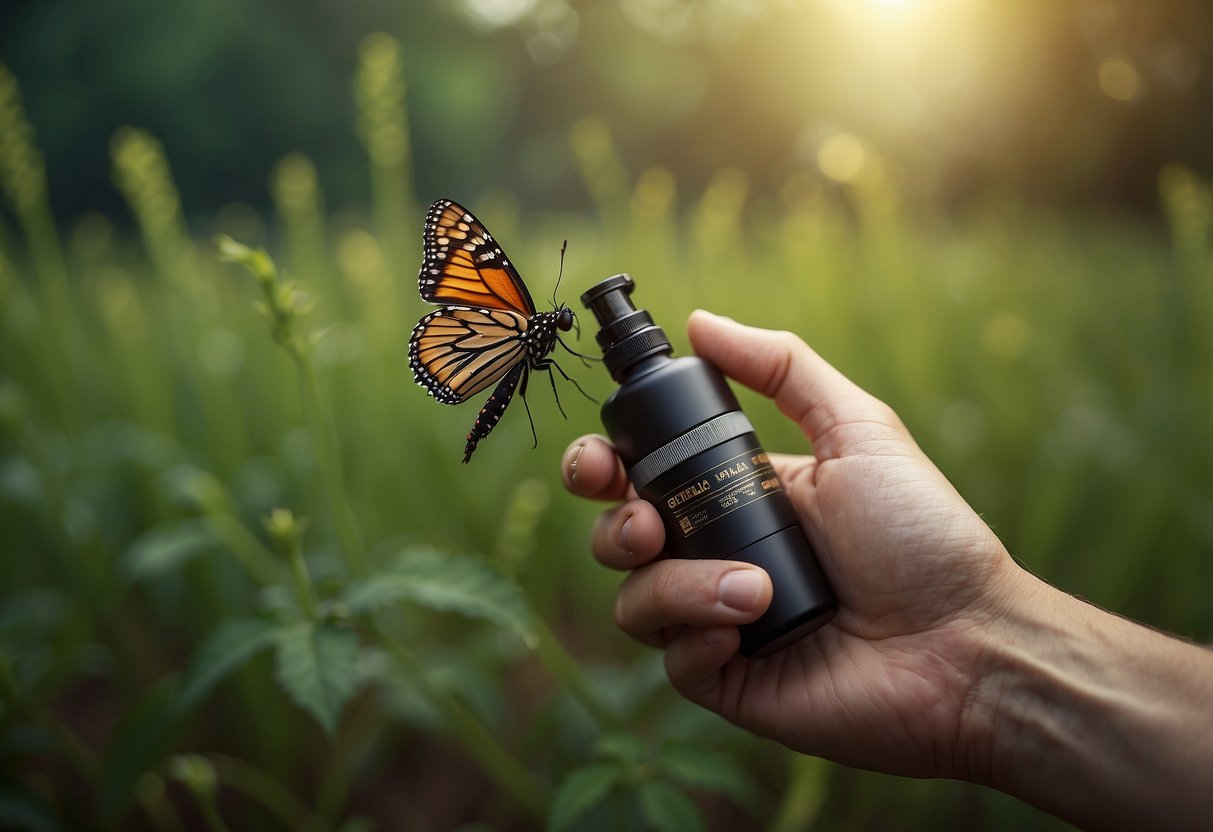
[
  {"x": 691, "y": 452},
  {"x": 627, "y": 335}
]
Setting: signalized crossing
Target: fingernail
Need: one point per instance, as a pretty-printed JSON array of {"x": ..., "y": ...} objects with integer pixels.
[
  {"x": 571, "y": 466},
  {"x": 625, "y": 532},
  {"x": 740, "y": 589},
  {"x": 711, "y": 635}
]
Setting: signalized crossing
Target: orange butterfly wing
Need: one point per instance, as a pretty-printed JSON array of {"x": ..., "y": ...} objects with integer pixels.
[
  {"x": 457, "y": 352},
  {"x": 463, "y": 265},
  {"x": 488, "y": 331}
]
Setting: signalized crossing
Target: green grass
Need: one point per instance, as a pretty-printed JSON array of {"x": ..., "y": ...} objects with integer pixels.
[{"x": 1058, "y": 367}]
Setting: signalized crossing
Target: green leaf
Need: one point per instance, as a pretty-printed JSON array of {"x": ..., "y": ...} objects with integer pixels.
[
  {"x": 164, "y": 549},
  {"x": 705, "y": 769},
  {"x": 582, "y": 790},
  {"x": 451, "y": 583},
  {"x": 449, "y": 669},
  {"x": 191, "y": 486},
  {"x": 626, "y": 748},
  {"x": 227, "y": 649},
  {"x": 667, "y": 809},
  {"x": 257, "y": 261},
  {"x": 317, "y": 666}
]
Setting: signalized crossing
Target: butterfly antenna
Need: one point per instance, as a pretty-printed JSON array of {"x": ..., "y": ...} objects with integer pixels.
[{"x": 560, "y": 274}]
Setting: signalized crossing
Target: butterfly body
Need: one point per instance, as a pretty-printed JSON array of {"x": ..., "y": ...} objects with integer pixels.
[{"x": 488, "y": 332}]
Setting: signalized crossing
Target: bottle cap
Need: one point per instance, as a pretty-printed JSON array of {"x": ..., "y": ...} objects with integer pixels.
[{"x": 626, "y": 334}]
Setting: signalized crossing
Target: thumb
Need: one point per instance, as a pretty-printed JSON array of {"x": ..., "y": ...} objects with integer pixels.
[{"x": 805, "y": 387}]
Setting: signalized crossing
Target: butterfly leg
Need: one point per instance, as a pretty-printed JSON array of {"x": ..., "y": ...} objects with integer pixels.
[
  {"x": 555, "y": 394},
  {"x": 585, "y": 359},
  {"x": 548, "y": 364},
  {"x": 526, "y": 375},
  {"x": 493, "y": 409}
]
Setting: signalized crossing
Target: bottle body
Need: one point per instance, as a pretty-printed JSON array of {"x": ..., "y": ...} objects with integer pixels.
[{"x": 692, "y": 453}]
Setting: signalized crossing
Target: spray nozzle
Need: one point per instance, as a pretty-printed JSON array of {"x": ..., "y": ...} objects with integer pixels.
[{"x": 626, "y": 334}]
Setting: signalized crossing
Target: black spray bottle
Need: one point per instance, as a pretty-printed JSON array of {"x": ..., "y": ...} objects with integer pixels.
[{"x": 692, "y": 453}]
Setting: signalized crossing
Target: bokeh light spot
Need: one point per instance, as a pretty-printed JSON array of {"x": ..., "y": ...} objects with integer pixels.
[
  {"x": 1006, "y": 335},
  {"x": 841, "y": 157},
  {"x": 1119, "y": 79},
  {"x": 362, "y": 260}
]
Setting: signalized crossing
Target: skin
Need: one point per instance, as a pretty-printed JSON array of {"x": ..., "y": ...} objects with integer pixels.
[{"x": 946, "y": 659}]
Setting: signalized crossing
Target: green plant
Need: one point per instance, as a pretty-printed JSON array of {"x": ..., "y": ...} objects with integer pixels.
[{"x": 246, "y": 580}]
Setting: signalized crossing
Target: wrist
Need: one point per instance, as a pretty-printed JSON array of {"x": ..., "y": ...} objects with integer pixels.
[
  {"x": 1089, "y": 716},
  {"x": 989, "y": 716}
]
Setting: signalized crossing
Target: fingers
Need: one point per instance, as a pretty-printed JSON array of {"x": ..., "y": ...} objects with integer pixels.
[
  {"x": 803, "y": 384},
  {"x": 627, "y": 536},
  {"x": 591, "y": 469},
  {"x": 667, "y": 595},
  {"x": 694, "y": 659}
]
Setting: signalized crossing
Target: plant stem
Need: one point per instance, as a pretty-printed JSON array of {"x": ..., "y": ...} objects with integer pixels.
[
  {"x": 358, "y": 735},
  {"x": 804, "y": 794},
  {"x": 516, "y": 542},
  {"x": 565, "y": 669},
  {"x": 265, "y": 790},
  {"x": 304, "y": 591},
  {"x": 210, "y": 811},
  {"x": 502, "y": 767},
  {"x": 157, "y": 808},
  {"x": 324, "y": 435},
  {"x": 258, "y": 561}
]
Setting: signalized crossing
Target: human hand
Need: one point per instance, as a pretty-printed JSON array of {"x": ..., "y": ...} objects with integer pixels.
[{"x": 917, "y": 573}]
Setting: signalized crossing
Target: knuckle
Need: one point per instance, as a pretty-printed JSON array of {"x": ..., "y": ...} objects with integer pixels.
[
  {"x": 664, "y": 590},
  {"x": 784, "y": 347},
  {"x": 885, "y": 413},
  {"x": 788, "y": 341}
]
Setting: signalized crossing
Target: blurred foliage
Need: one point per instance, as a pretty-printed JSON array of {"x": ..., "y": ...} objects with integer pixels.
[
  {"x": 245, "y": 578},
  {"x": 1065, "y": 100}
]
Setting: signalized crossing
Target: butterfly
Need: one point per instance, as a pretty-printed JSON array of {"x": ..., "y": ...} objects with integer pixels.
[{"x": 487, "y": 331}]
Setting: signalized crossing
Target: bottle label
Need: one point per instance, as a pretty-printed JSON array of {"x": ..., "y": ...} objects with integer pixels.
[{"x": 720, "y": 490}]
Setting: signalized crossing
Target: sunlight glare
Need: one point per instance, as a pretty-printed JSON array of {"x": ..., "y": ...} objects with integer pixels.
[
  {"x": 910, "y": 68},
  {"x": 497, "y": 14},
  {"x": 887, "y": 10}
]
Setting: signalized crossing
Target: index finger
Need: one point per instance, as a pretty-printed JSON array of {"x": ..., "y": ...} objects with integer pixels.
[
  {"x": 590, "y": 468},
  {"x": 837, "y": 415}
]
